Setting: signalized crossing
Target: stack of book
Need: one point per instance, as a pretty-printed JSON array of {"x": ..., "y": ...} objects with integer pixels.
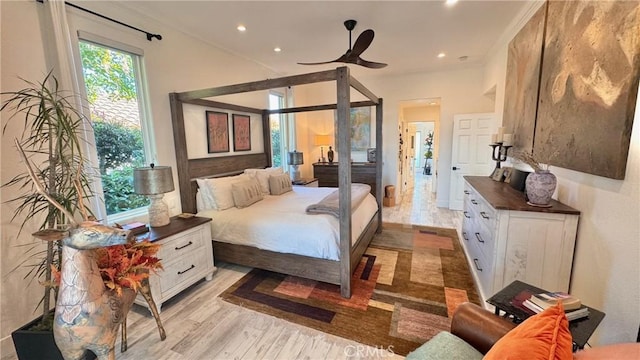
[{"x": 536, "y": 303}]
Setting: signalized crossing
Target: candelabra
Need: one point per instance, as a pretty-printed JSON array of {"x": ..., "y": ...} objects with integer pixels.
[{"x": 499, "y": 153}]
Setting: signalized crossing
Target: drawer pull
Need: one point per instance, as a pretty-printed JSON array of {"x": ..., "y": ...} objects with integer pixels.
[
  {"x": 184, "y": 246},
  {"x": 466, "y": 214},
  {"x": 464, "y": 235},
  {"x": 475, "y": 261},
  {"x": 484, "y": 214},
  {"x": 474, "y": 202},
  {"x": 184, "y": 271},
  {"x": 466, "y": 192},
  {"x": 479, "y": 238}
]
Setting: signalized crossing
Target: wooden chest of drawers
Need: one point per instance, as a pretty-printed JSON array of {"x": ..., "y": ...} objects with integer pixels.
[
  {"x": 361, "y": 172},
  {"x": 505, "y": 239}
]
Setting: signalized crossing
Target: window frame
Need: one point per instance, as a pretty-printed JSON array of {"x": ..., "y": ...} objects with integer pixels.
[{"x": 145, "y": 116}]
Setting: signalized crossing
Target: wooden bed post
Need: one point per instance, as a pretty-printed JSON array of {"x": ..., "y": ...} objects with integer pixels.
[
  {"x": 266, "y": 136},
  {"x": 180, "y": 145},
  {"x": 379, "y": 193},
  {"x": 343, "y": 133}
]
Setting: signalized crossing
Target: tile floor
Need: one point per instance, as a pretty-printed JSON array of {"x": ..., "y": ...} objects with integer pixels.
[{"x": 418, "y": 206}]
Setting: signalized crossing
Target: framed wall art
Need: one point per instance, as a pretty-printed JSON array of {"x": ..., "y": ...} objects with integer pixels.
[
  {"x": 217, "y": 132},
  {"x": 241, "y": 132}
]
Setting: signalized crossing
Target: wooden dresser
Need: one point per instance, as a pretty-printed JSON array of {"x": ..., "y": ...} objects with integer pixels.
[
  {"x": 505, "y": 239},
  {"x": 186, "y": 255},
  {"x": 361, "y": 172}
]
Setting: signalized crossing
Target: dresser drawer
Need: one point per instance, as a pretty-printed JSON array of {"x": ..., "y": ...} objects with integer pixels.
[
  {"x": 184, "y": 269},
  {"x": 484, "y": 238},
  {"x": 484, "y": 271},
  {"x": 177, "y": 245}
]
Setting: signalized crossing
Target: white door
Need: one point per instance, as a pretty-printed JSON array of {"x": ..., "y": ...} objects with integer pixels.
[{"x": 470, "y": 153}]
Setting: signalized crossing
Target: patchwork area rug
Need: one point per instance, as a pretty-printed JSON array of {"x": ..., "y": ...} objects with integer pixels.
[{"x": 405, "y": 289}]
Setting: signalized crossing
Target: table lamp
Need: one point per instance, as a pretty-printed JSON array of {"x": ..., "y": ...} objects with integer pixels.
[
  {"x": 295, "y": 159},
  {"x": 322, "y": 140},
  {"x": 154, "y": 181}
]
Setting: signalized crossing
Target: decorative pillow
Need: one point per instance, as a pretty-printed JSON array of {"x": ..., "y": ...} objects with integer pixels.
[
  {"x": 216, "y": 192},
  {"x": 280, "y": 184},
  {"x": 542, "y": 336},
  {"x": 262, "y": 175},
  {"x": 246, "y": 192}
]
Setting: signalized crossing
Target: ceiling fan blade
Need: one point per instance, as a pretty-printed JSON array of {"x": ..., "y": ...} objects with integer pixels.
[
  {"x": 342, "y": 58},
  {"x": 370, "y": 64},
  {"x": 362, "y": 43}
]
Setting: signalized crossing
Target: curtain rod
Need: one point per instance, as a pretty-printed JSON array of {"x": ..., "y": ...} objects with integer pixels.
[{"x": 150, "y": 36}]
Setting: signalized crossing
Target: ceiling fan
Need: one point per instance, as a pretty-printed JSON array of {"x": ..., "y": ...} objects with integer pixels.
[{"x": 352, "y": 56}]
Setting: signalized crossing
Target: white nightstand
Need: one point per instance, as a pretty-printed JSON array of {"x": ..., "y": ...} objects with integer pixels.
[
  {"x": 186, "y": 255},
  {"x": 306, "y": 182}
]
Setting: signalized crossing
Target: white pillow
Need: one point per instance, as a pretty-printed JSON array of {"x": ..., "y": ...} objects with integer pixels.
[
  {"x": 206, "y": 199},
  {"x": 280, "y": 184},
  {"x": 263, "y": 178},
  {"x": 217, "y": 191},
  {"x": 246, "y": 193}
]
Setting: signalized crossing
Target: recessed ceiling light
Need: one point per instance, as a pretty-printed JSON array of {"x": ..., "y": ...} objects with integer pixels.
[
  {"x": 241, "y": 28},
  {"x": 450, "y": 2},
  {"x": 277, "y": 49},
  {"x": 432, "y": 103},
  {"x": 441, "y": 55}
]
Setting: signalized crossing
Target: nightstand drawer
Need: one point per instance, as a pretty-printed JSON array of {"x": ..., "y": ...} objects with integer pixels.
[
  {"x": 177, "y": 245},
  {"x": 184, "y": 269}
]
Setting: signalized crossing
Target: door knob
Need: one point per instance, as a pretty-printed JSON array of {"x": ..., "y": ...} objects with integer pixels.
[{"x": 456, "y": 168}]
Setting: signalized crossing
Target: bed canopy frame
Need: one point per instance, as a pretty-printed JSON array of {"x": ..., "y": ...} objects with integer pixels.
[{"x": 190, "y": 169}]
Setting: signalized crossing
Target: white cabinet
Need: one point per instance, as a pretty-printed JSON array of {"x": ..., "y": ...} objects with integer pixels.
[
  {"x": 186, "y": 254},
  {"x": 505, "y": 239}
]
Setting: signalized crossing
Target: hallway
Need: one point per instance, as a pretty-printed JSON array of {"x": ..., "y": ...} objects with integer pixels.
[{"x": 418, "y": 206}]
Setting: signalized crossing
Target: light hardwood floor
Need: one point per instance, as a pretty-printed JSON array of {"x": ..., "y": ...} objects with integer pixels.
[{"x": 199, "y": 325}]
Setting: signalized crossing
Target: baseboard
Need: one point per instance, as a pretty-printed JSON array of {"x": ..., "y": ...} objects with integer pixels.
[{"x": 7, "y": 350}]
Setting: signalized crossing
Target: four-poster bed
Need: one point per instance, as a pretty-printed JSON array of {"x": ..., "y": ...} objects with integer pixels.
[{"x": 336, "y": 272}]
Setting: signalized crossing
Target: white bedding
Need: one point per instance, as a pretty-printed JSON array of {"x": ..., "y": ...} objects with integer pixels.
[{"x": 280, "y": 223}]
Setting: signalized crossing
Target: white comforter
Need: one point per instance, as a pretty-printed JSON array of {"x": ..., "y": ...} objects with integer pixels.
[{"x": 280, "y": 224}]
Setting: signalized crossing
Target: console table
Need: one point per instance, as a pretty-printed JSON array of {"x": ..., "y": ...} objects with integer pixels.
[
  {"x": 361, "y": 172},
  {"x": 505, "y": 239}
]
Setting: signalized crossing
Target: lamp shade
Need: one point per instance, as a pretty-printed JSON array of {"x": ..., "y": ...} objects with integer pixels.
[
  {"x": 322, "y": 140},
  {"x": 152, "y": 180},
  {"x": 295, "y": 158}
]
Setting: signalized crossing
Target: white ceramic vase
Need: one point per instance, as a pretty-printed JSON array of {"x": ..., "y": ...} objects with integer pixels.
[{"x": 540, "y": 186}]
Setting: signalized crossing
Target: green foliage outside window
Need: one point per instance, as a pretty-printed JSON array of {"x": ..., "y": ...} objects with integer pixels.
[{"x": 120, "y": 150}]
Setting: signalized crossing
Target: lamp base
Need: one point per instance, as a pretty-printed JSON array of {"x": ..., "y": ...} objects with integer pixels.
[
  {"x": 158, "y": 211},
  {"x": 295, "y": 173}
]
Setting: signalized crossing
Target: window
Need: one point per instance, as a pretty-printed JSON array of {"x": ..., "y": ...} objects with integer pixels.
[
  {"x": 278, "y": 125},
  {"x": 113, "y": 84}
]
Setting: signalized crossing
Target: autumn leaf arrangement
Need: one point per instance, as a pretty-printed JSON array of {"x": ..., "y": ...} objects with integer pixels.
[{"x": 125, "y": 266}]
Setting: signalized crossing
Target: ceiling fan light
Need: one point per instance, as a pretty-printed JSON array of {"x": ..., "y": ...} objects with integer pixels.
[
  {"x": 441, "y": 55},
  {"x": 450, "y": 2}
]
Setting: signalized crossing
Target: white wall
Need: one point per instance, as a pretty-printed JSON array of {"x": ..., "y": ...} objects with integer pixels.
[
  {"x": 460, "y": 91},
  {"x": 606, "y": 270},
  {"x": 177, "y": 63}
]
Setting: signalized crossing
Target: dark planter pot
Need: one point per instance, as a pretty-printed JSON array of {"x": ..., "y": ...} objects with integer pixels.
[{"x": 38, "y": 345}]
